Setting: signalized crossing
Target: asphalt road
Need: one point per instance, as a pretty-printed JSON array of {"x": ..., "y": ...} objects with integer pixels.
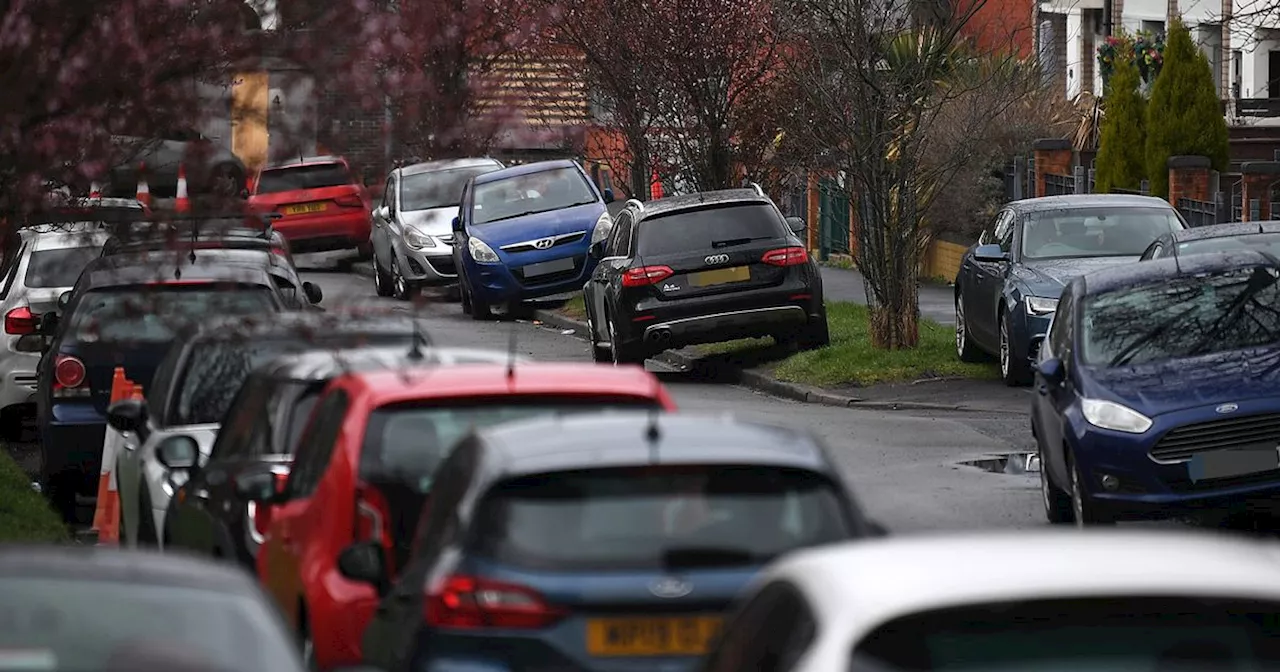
[{"x": 905, "y": 466}]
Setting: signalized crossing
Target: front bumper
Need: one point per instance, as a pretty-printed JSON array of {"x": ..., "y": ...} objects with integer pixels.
[
  {"x": 428, "y": 265},
  {"x": 498, "y": 283},
  {"x": 1036, "y": 328}
]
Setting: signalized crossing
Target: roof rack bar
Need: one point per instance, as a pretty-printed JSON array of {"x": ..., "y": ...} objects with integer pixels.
[
  {"x": 636, "y": 202},
  {"x": 755, "y": 186}
]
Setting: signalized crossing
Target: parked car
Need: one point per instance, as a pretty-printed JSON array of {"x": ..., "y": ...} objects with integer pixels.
[
  {"x": 239, "y": 233},
  {"x": 175, "y": 427},
  {"x": 702, "y": 268},
  {"x": 1008, "y": 285},
  {"x": 523, "y": 233},
  {"x": 124, "y": 311},
  {"x": 545, "y": 552},
  {"x": 412, "y": 231},
  {"x": 1263, "y": 236},
  {"x": 210, "y": 165},
  {"x": 85, "y": 608},
  {"x": 1102, "y": 600},
  {"x": 367, "y": 463},
  {"x": 1158, "y": 393},
  {"x": 294, "y": 291},
  {"x": 206, "y": 514},
  {"x": 46, "y": 262},
  {"x": 322, "y": 203}
]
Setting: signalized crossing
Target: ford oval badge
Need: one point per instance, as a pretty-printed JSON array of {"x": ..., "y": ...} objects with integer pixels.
[
  {"x": 670, "y": 588},
  {"x": 1227, "y": 408}
]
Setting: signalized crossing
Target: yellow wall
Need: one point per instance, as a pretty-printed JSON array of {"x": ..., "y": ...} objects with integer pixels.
[
  {"x": 249, "y": 107},
  {"x": 942, "y": 260}
]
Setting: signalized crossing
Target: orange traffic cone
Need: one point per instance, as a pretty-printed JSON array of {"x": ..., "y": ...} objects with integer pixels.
[
  {"x": 95, "y": 189},
  {"x": 144, "y": 191},
  {"x": 106, "y": 515},
  {"x": 183, "y": 202}
]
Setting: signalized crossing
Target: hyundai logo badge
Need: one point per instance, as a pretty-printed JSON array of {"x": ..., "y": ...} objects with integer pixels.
[
  {"x": 544, "y": 243},
  {"x": 716, "y": 259},
  {"x": 1227, "y": 408},
  {"x": 670, "y": 588}
]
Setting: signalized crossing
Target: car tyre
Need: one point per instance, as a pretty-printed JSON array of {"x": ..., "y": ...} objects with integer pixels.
[
  {"x": 364, "y": 251},
  {"x": 480, "y": 310},
  {"x": 965, "y": 349},
  {"x": 813, "y": 335},
  {"x": 598, "y": 354},
  {"x": 1086, "y": 512},
  {"x": 1015, "y": 371},
  {"x": 381, "y": 279},
  {"x": 620, "y": 353},
  {"x": 1058, "y": 508},
  {"x": 400, "y": 287}
]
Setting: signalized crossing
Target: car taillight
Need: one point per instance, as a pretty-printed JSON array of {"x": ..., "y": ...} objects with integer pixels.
[
  {"x": 352, "y": 201},
  {"x": 786, "y": 256},
  {"x": 20, "y": 321},
  {"x": 471, "y": 602},
  {"x": 647, "y": 275},
  {"x": 279, "y": 251},
  {"x": 68, "y": 372}
]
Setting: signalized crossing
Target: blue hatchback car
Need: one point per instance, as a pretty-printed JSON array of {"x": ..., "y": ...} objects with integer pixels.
[
  {"x": 523, "y": 233},
  {"x": 1157, "y": 393}
]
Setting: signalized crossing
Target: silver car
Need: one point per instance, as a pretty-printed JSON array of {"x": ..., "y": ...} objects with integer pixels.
[
  {"x": 45, "y": 262},
  {"x": 412, "y": 226}
]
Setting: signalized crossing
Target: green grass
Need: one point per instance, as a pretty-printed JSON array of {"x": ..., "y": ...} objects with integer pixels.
[
  {"x": 840, "y": 261},
  {"x": 25, "y": 515},
  {"x": 851, "y": 360},
  {"x": 574, "y": 308}
]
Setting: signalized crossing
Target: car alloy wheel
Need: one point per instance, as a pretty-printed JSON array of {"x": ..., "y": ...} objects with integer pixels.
[
  {"x": 613, "y": 342},
  {"x": 1004, "y": 348},
  {"x": 379, "y": 285},
  {"x": 1077, "y": 493},
  {"x": 960, "y": 329},
  {"x": 397, "y": 280}
]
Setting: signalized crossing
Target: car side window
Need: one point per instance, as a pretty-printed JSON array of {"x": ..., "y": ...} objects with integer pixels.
[
  {"x": 1003, "y": 233},
  {"x": 316, "y": 445},
  {"x": 768, "y": 634},
  {"x": 620, "y": 237},
  {"x": 1061, "y": 330},
  {"x": 389, "y": 194},
  {"x": 438, "y": 522},
  {"x": 1157, "y": 251},
  {"x": 238, "y": 424}
]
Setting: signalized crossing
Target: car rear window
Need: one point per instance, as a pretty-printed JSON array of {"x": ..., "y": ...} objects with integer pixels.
[
  {"x": 708, "y": 228},
  {"x": 214, "y": 373},
  {"x": 315, "y": 176},
  {"x": 152, "y": 313},
  {"x": 663, "y": 517},
  {"x": 59, "y": 267},
  {"x": 1134, "y": 633}
]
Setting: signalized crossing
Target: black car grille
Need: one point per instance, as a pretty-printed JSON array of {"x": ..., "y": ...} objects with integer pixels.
[
  {"x": 551, "y": 278},
  {"x": 1181, "y": 443},
  {"x": 567, "y": 239},
  {"x": 443, "y": 265}
]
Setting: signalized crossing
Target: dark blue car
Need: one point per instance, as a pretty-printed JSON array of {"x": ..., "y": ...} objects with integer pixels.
[
  {"x": 1158, "y": 390},
  {"x": 523, "y": 233},
  {"x": 1008, "y": 285},
  {"x": 598, "y": 543}
]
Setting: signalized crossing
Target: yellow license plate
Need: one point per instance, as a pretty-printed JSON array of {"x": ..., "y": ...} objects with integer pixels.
[
  {"x": 674, "y": 636},
  {"x": 720, "y": 276},
  {"x": 305, "y": 208}
]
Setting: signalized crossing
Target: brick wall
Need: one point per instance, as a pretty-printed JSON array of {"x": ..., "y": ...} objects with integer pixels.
[{"x": 1189, "y": 178}]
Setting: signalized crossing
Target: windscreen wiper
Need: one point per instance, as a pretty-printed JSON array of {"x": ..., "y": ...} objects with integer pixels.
[
  {"x": 732, "y": 242},
  {"x": 518, "y": 214}
]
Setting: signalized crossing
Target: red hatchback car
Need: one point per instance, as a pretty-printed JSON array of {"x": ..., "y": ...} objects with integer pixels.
[
  {"x": 323, "y": 205},
  {"x": 364, "y": 467}
]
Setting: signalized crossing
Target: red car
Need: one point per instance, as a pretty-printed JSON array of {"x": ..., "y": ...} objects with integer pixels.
[
  {"x": 363, "y": 473},
  {"x": 323, "y": 205}
]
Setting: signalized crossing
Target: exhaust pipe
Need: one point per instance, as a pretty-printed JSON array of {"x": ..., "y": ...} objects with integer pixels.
[{"x": 660, "y": 336}]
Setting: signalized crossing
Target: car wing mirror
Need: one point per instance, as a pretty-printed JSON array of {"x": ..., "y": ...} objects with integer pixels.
[
  {"x": 457, "y": 224},
  {"x": 990, "y": 253},
  {"x": 1050, "y": 370},
  {"x": 259, "y": 486},
  {"x": 365, "y": 562},
  {"x": 129, "y": 415},
  {"x": 64, "y": 299},
  {"x": 608, "y": 196},
  {"x": 178, "y": 452},
  {"x": 314, "y": 293}
]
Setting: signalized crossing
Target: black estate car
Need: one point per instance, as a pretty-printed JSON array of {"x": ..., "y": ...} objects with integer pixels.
[
  {"x": 702, "y": 268},
  {"x": 1263, "y": 236}
]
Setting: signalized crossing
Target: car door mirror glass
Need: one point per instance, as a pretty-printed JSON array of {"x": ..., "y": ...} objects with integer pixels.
[
  {"x": 384, "y": 212},
  {"x": 64, "y": 299},
  {"x": 314, "y": 293},
  {"x": 1051, "y": 370},
  {"x": 991, "y": 253},
  {"x": 457, "y": 224},
  {"x": 365, "y": 562},
  {"x": 128, "y": 415},
  {"x": 259, "y": 486},
  {"x": 178, "y": 452}
]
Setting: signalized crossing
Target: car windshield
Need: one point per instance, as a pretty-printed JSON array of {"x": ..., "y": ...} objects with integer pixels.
[
  {"x": 1266, "y": 242},
  {"x": 295, "y": 178},
  {"x": 437, "y": 189},
  {"x": 530, "y": 194},
  {"x": 59, "y": 624},
  {"x": 1182, "y": 317},
  {"x": 1094, "y": 232},
  {"x": 656, "y": 517},
  {"x": 1135, "y": 633},
  {"x": 151, "y": 313},
  {"x": 708, "y": 228},
  {"x": 59, "y": 267}
]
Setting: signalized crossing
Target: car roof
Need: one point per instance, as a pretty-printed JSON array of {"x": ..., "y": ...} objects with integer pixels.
[
  {"x": 64, "y": 239},
  {"x": 662, "y": 206},
  {"x": 69, "y": 562},
  {"x": 622, "y": 438},
  {"x": 320, "y": 365},
  {"x": 148, "y": 267},
  {"x": 1225, "y": 230},
  {"x": 523, "y": 169},
  {"x": 306, "y": 323},
  {"x": 1069, "y": 201},
  {"x": 447, "y": 164},
  {"x": 305, "y": 161},
  {"x": 536, "y": 378},
  {"x": 1124, "y": 276},
  {"x": 857, "y": 587}
]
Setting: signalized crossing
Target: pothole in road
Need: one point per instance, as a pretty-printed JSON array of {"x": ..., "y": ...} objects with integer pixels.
[{"x": 1007, "y": 463}]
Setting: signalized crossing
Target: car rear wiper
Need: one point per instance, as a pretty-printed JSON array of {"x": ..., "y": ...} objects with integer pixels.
[
  {"x": 705, "y": 556},
  {"x": 731, "y": 242}
]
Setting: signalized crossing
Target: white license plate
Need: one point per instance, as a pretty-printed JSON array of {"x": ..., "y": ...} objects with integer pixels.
[
  {"x": 548, "y": 267},
  {"x": 1228, "y": 463}
]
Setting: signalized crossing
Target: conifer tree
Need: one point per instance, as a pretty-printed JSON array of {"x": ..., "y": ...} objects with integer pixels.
[{"x": 1122, "y": 154}]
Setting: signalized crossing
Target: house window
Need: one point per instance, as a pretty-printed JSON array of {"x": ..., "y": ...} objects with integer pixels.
[
  {"x": 1273, "y": 74},
  {"x": 1237, "y": 73},
  {"x": 1209, "y": 36},
  {"x": 1153, "y": 27}
]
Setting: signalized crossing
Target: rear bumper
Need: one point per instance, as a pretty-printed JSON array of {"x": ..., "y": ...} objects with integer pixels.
[
  {"x": 716, "y": 325},
  {"x": 317, "y": 233},
  {"x": 751, "y": 313},
  {"x": 72, "y": 453}
]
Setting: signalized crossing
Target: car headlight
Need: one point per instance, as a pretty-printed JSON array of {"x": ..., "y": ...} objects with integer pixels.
[
  {"x": 481, "y": 252},
  {"x": 1110, "y": 415},
  {"x": 418, "y": 240},
  {"x": 1039, "y": 305},
  {"x": 603, "y": 226}
]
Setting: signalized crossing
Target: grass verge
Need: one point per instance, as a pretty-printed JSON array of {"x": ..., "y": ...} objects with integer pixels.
[
  {"x": 25, "y": 515},
  {"x": 851, "y": 360},
  {"x": 574, "y": 308}
]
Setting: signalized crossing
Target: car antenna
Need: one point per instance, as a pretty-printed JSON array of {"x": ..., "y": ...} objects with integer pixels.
[
  {"x": 652, "y": 435},
  {"x": 511, "y": 354},
  {"x": 415, "y": 348}
]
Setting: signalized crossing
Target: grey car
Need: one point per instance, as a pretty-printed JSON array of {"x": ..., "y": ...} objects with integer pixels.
[
  {"x": 210, "y": 165},
  {"x": 412, "y": 225}
]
